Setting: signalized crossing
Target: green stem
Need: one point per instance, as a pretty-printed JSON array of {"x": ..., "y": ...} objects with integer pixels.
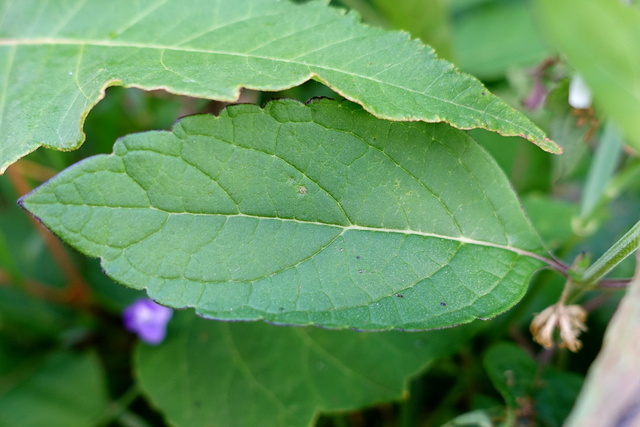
[
  {"x": 119, "y": 407},
  {"x": 614, "y": 256}
]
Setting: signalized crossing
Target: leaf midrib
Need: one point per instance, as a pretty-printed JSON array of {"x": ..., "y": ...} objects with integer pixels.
[
  {"x": 102, "y": 43},
  {"x": 344, "y": 228}
]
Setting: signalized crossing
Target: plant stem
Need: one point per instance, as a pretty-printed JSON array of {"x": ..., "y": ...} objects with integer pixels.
[
  {"x": 77, "y": 291},
  {"x": 34, "y": 288},
  {"x": 119, "y": 407},
  {"x": 614, "y": 256}
]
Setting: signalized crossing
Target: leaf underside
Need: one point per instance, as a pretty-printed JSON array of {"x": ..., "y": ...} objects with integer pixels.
[
  {"x": 56, "y": 59},
  {"x": 318, "y": 214}
]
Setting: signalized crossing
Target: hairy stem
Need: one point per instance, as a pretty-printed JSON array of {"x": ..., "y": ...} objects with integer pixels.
[{"x": 614, "y": 256}]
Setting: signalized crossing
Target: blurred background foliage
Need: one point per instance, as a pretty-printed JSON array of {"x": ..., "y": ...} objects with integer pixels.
[{"x": 61, "y": 340}]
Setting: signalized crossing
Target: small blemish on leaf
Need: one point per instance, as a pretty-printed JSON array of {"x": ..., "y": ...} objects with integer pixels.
[
  {"x": 360, "y": 271},
  {"x": 443, "y": 304},
  {"x": 281, "y": 308},
  {"x": 400, "y": 295},
  {"x": 302, "y": 189},
  {"x": 357, "y": 256},
  {"x": 484, "y": 93}
]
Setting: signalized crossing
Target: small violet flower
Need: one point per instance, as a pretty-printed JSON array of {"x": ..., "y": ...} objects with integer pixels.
[{"x": 147, "y": 319}]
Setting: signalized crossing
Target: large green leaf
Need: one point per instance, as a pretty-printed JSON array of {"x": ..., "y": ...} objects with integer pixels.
[
  {"x": 608, "y": 59},
  {"x": 252, "y": 374},
  {"x": 318, "y": 214},
  {"x": 56, "y": 58}
]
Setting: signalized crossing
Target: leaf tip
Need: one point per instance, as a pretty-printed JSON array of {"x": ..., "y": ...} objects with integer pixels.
[{"x": 551, "y": 146}]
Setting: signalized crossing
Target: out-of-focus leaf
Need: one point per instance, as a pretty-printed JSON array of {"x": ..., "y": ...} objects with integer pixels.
[
  {"x": 489, "y": 39},
  {"x": 607, "y": 58},
  {"x": 62, "y": 389},
  {"x": 555, "y": 395},
  {"x": 27, "y": 318},
  {"x": 427, "y": 20},
  {"x": 527, "y": 169},
  {"x": 512, "y": 372},
  {"x": 551, "y": 218},
  {"x": 317, "y": 214},
  {"x": 250, "y": 374},
  {"x": 56, "y": 60},
  {"x": 534, "y": 396},
  {"x": 603, "y": 166},
  {"x": 611, "y": 394}
]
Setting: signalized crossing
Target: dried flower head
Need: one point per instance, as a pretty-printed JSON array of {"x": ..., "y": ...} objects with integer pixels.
[{"x": 569, "y": 319}]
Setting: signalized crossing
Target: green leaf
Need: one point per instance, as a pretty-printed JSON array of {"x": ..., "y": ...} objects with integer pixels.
[
  {"x": 550, "y": 217},
  {"x": 318, "y": 214},
  {"x": 426, "y": 20},
  {"x": 250, "y": 374},
  {"x": 603, "y": 167},
  {"x": 63, "y": 389},
  {"x": 524, "y": 386},
  {"x": 512, "y": 372},
  {"x": 491, "y": 38},
  {"x": 56, "y": 60},
  {"x": 555, "y": 396},
  {"x": 608, "y": 59}
]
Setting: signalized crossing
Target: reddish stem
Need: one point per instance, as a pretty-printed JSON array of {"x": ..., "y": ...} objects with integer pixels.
[{"x": 77, "y": 291}]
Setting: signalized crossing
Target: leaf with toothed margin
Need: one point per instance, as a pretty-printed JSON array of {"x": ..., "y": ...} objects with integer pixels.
[
  {"x": 302, "y": 214},
  {"x": 56, "y": 59}
]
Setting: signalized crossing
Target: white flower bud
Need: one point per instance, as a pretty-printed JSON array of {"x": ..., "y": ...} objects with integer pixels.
[{"x": 579, "y": 93}]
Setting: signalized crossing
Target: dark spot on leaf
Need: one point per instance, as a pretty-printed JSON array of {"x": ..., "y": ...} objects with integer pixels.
[
  {"x": 443, "y": 304},
  {"x": 360, "y": 271},
  {"x": 484, "y": 93},
  {"x": 400, "y": 295},
  {"x": 357, "y": 256},
  {"x": 281, "y": 308}
]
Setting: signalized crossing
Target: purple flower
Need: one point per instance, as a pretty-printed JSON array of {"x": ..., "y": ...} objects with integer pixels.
[{"x": 147, "y": 319}]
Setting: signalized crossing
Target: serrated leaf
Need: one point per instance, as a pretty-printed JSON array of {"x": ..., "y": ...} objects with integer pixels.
[
  {"x": 318, "y": 214},
  {"x": 250, "y": 374},
  {"x": 56, "y": 60},
  {"x": 614, "y": 77}
]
